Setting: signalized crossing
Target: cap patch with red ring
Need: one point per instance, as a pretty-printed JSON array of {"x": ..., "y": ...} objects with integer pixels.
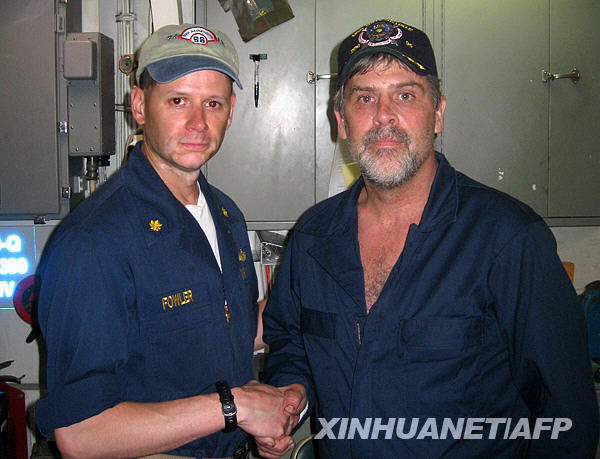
[{"x": 198, "y": 35}]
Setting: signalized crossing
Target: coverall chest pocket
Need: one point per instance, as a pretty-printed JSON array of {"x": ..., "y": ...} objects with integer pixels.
[
  {"x": 432, "y": 338},
  {"x": 439, "y": 357}
]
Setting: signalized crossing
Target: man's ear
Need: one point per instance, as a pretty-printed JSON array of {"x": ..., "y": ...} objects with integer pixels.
[
  {"x": 439, "y": 116},
  {"x": 232, "y": 103},
  {"x": 137, "y": 105},
  {"x": 341, "y": 125}
]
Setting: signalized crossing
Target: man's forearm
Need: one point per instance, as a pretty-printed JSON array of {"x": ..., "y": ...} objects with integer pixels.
[{"x": 132, "y": 429}]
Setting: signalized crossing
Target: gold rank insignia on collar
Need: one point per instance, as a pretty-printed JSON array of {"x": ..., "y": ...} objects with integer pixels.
[
  {"x": 155, "y": 225},
  {"x": 224, "y": 211},
  {"x": 242, "y": 255}
]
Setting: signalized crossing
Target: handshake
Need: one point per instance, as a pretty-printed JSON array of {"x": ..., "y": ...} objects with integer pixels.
[{"x": 269, "y": 414}]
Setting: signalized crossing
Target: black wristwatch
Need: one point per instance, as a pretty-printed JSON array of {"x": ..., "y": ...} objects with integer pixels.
[{"x": 228, "y": 406}]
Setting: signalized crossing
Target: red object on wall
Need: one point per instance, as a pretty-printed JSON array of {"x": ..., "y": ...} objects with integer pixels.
[
  {"x": 17, "y": 428},
  {"x": 25, "y": 298}
]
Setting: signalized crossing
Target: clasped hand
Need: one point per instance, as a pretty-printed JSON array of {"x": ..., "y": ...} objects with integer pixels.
[{"x": 269, "y": 414}]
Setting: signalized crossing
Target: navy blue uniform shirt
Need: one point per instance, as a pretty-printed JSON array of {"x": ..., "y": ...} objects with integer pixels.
[
  {"x": 132, "y": 303},
  {"x": 477, "y": 319}
]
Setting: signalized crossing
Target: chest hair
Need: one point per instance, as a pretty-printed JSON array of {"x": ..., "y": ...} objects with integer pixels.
[{"x": 379, "y": 251}]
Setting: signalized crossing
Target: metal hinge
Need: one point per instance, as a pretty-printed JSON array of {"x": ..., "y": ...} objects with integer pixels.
[{"x": 60, "y": 23}]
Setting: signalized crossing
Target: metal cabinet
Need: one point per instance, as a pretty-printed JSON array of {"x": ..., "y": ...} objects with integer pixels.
[
  {"x": 31, "y": 173},
  {"x": 574, "y": 149},
  {"x": 505, "y": 125},
  {"x": 266, "y": 163}
]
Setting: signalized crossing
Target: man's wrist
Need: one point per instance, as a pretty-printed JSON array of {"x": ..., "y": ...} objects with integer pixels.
[{"x": 302, "y": 391}]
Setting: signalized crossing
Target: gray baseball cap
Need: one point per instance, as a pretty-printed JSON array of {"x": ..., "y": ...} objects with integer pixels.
[{"x": 176, "y": 50}]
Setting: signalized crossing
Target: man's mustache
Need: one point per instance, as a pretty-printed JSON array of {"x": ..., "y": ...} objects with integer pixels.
[{"x": 386, "y": 133}]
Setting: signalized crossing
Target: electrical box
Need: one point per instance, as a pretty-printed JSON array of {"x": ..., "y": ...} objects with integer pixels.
[{"x": 89, "y": 71}]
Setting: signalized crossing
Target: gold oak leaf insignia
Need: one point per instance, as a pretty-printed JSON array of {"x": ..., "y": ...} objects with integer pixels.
[
  {"x": 224, "y": 212},
  {"x": 155, "y": 225}
]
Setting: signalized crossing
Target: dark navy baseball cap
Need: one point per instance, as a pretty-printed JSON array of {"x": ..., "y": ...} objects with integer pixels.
[{"x": 407, "y": 43}]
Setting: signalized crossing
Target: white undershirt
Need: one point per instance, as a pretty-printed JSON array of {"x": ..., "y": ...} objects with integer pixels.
[{"x": 201, "y": 213}]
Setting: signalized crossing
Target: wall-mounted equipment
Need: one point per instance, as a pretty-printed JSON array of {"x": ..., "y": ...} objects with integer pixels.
[
  {"x": 272, "y": 247},
  {"x": 89, "y": 72}
]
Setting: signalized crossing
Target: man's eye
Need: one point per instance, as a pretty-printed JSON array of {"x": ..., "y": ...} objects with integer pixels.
[
  {"x": 213, "y": 104},
  {"x": 365, "y": 99},
  {"x": 177, "y": 101},
  {"x": 406, "y": 96}
]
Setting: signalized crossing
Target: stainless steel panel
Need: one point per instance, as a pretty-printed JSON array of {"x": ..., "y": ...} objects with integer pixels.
[
  {"x": 504, "y": 126},
  {"x": 574, "y": 176},
  {"x": 33, "y": 143},
  {"x": 28, "y": 129},
  {"x": 497, "y": 117},
  {"x": 266, "y": 163}
]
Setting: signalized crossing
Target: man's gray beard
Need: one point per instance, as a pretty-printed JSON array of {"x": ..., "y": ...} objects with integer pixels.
[{"x": 407, "y": 166}]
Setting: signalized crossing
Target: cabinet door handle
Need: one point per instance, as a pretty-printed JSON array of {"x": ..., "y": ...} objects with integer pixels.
[
  {"x": 312, "y": 77},
  {"x": 574, "y": 75}
]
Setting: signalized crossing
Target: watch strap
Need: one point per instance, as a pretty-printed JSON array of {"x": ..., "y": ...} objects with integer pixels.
[{"x": 227, "y": 405}]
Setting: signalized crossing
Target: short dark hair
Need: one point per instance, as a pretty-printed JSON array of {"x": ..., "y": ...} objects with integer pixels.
[
  {"x": 368, "y": 62},
  {"x": 146, "y": 81}
]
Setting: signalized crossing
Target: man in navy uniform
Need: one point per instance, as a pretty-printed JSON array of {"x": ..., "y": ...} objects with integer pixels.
[
  {"x": 420, "y": 297},
  {"x": 148, "y": 297}
]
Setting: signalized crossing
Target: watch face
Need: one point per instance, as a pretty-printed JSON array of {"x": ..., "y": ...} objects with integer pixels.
[{"x": 229, "y": 409}]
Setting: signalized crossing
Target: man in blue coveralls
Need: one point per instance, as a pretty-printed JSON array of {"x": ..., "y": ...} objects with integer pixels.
[
  {"x": 148, "y": 298},
  {"x": 425, "y": 314}
]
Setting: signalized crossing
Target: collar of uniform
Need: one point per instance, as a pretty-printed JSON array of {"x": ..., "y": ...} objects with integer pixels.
[
  {"x": 333, "y": 225},
  {"x": 442, "y": 205},
  {"x": 157, "y": 204},
  {"x": 158, "y": 213},
  {"x": 223, "y": 219},
  {"x": 334, "y": 215}
]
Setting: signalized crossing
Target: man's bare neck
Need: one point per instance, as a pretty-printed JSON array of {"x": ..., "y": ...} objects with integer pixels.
[{"x": 182, "y": 184}]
